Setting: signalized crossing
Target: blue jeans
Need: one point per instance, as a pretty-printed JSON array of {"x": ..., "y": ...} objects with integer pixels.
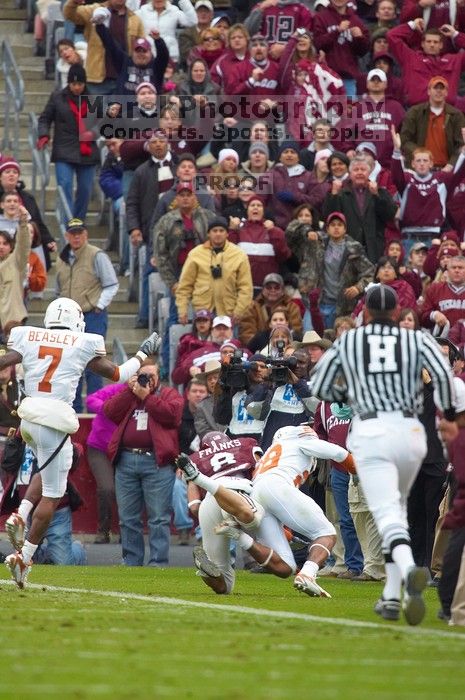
[
  {"x": 140, "y": 482},
  {"x": 95, "y": 323},
  {"x": 106, "y": 87},
  {"x": 328, "y": 312},
  {"x": 182, "y": 519},
  {"x": 350, "y": 85},
  {"x": 65, "y": 173},
  {"x": 144, "y": 302},
  {"x": 165, "y": 348},
  {"x": 59, "y": 547},
  {"x": 353, "y": 554}
]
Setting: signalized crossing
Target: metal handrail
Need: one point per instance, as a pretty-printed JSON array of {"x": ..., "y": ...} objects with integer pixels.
[
  {"x": 40, "y": 161},
  {"x": 119, "y": 354},
  {"x": 14, "y": 98},
  {"x": 63, "y": 214}
]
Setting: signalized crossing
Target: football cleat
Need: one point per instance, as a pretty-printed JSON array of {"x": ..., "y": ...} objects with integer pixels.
[
  {"x": 308, "y": 585},
  {"x": 187, "y": 467},
  {"x": 388, "y": 609},
  {"x": 18, "y": 569},
  {"x": 16, "y": 530},
  {"x": 413, "y": 605},
  {"x": 229, "y": 528},
  {"x": 204, "y": 566}
]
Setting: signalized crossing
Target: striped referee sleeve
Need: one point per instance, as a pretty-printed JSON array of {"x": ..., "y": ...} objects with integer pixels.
[
  {"x": 324, "y": 374},
  {"x": 440, "y": 372}
]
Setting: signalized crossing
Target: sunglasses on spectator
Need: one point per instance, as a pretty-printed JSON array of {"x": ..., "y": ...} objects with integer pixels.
[
  {"x": 244, "y": 188},
  {"x": 209, "y": 39},
  {"x": 272, "y": 285}
]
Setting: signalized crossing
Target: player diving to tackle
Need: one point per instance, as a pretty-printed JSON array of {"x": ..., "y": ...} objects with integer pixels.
[
  {"x": 53, "y": 360},
  {"x": 276, "y": 496}
]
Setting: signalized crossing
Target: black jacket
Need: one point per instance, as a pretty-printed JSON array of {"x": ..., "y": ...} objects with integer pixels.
[
  {"x": 65, "y": 131},
  {"x": 143, "y": 196}
]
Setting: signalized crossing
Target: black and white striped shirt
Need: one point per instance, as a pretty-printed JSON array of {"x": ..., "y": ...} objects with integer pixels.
[{"x": 378, "y": 368}]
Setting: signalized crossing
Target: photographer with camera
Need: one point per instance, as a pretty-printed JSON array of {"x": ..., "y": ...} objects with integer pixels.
[
  {"x": 238, "y": 378},
  {"x": 143, "y": 449},
  {"x": 285, "y": 398}
]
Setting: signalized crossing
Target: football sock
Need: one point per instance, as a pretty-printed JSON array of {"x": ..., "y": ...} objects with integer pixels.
[
  {"x": 403, "y": 557},
  {"x": 206, "y": 483},
  {"x": 24, "y": 509},
  {"x": 310, "y": 568},
  {"x": 393, "y": 585},
  {"x": 28, "y": 551},
  {"x": 245, "y": 540}
]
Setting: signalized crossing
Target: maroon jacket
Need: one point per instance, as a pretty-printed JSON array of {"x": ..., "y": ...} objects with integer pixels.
[
  {"x": 206, "y": 350},
  {"x": 266, "y": 248},
  {"x": 331, "y": 428},
  {"x": 299, "y": 186},
  {"x": 440, "y": 296},
  {"x": 455, "y": 518},
  {"x": 341, "y": 51},
  {"x": 164, "y": 408},
  {"x": 457, "y": 334}
]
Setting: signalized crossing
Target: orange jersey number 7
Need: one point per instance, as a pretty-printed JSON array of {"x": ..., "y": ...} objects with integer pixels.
[{"x": 55, "y": 354}]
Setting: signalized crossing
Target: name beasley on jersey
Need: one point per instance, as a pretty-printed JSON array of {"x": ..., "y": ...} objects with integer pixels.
[
  {"x": 219, "y": 447},
  {"x": 52, "y": 337}
]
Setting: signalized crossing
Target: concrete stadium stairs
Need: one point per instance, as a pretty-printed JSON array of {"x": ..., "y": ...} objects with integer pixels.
[{"x": 37, "y": 90}]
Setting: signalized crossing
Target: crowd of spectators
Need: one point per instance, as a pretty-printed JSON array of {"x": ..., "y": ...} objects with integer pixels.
[{"x": 275, "y": 159}]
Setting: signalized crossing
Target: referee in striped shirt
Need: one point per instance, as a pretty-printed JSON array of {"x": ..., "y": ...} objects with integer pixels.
[{"x": 377, "y": 369}]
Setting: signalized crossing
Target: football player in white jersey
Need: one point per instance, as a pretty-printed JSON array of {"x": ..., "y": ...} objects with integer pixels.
[
  {"x": 53, "y": 360},
  {"x": 283, "y": 468}
]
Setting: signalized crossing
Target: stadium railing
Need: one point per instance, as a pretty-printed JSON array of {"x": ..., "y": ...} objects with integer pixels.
[
  {"x": 14, "y": 99},
  {"x": 40, "y": 162},
  {"x": 63, "y": 214}
]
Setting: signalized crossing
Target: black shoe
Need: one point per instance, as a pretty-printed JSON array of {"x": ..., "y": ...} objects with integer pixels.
[
  {"x": 388, "y": 609},
  {"x": 2, "y": 558},
  {"x": 141, "y": 324},
  {"x": 443, "y": 615}
]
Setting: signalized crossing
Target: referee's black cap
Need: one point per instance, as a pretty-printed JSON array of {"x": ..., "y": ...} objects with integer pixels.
[{"x": 380, "y": 297}]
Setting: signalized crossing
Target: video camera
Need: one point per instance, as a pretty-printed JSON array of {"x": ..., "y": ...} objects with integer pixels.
[{"x": 234, "y": 374}]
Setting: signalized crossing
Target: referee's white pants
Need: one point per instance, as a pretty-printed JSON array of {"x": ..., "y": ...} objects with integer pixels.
[
  {"x": 388, "y": 452},
  {"x": 43, "y": 442}
]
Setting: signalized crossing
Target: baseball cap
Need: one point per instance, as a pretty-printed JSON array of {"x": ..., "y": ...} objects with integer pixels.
[
  {"x": 377, "y": 73},
  {"x": 203, "y": 313},
  {"x": 75, "y": 225},
  {"x": 367, "y": 146},
  {"x": 222, "y": 321},
  {"x": 184, "y": 185},
  {"x": 273, "y": 277},
  {"x": 435, "y": 80},
  {"x": 259, "y": 38},
  {"x": 203, "y": 3},
  {"x": 216, "y": 20},
  {"x": 142, "y": 45},
  {"x": 419, "y": 246},
  {"x": 150, "y": 86},
  {"x": 336, "y": 215},
  {"x": 380, "y": 297}
]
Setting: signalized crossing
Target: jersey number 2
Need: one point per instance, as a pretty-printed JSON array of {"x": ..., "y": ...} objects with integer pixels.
[{"x": 55, "y": 354}]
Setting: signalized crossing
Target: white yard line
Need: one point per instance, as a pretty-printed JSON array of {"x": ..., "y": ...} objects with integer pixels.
[{"x": 242, "y": 610}]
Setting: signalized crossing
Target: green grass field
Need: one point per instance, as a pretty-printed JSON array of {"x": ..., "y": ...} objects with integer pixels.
[{"x": 153, "y": 633}]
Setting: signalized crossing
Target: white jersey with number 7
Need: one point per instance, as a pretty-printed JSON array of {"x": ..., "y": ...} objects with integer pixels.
[{"x": 54, "y": 359}]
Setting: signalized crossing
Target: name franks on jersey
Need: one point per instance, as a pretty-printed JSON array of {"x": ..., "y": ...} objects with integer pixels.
[
  {"x": 382, "y": 356},
  {"x": 219, "y": 447}
]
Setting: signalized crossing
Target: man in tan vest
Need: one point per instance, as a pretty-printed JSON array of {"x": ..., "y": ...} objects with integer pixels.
[{"x": 85, "y": 274}]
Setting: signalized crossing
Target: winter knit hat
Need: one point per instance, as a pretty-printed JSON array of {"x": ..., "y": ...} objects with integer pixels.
[
  {"x": 227, "y": 153},
  {"x": 9, "y": 164},
  {"x": 77, "y": 74},
  {"x": 259, "y": 146},
  {"x": 288, "y": 144}
]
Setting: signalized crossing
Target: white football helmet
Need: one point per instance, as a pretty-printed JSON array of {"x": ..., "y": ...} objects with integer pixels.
[
  {"x": 289, "y": 432},
  {"x": 64, "y": 313}
]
